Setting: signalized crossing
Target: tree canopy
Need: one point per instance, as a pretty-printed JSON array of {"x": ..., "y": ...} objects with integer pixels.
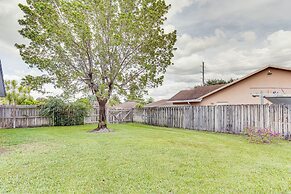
[
  {"x": 107, "y": 46},
  {"x": 114, "y": 100},
  {"x": 218, "y": 81},
  {"x": 36, "y": 83}
]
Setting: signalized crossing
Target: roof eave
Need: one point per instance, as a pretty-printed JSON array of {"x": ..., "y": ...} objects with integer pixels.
[{"x": 182, "y": 101}]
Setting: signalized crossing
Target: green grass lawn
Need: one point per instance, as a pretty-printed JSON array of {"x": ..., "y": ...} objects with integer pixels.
[{"x": 139, "y": 159}]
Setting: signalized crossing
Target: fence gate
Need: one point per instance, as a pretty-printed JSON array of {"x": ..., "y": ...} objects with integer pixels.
[
  {"x": 120, "y": 115},
  {"x": 113, "y": 116}
]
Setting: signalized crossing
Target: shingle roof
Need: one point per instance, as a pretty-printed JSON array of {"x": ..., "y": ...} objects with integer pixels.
[
  {"x": 160, "y": 103},
  {"x": 126, "y": 105},
  {"x": 2, "y": 88},
  {"x": 194, "y": 93}
]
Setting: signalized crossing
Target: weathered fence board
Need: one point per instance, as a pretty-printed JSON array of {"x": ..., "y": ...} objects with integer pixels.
[
  {"x": 21, "y": 116},
  {"x": 226, "y": 118}
]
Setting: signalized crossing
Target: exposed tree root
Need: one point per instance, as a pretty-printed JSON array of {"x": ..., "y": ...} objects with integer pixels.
[{"x": 101, "y": 130}]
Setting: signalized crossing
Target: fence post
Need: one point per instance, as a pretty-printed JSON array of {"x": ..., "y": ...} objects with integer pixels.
[
  {"x": 14, "y": 116},
  {"x": 53, "y": 118}
]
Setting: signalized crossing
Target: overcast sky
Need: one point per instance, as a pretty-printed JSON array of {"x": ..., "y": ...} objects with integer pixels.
[{"x": 233, "y": 37}]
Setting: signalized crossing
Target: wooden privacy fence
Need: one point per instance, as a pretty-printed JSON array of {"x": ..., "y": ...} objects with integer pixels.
[
  {"x": 226, "y": 118},
  {"x": 21, "y": 116}
]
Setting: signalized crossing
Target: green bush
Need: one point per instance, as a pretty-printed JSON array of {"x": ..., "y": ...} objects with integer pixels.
[{"x": 65, "y": 114}]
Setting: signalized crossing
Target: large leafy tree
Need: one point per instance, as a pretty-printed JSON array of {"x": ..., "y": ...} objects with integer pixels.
[{"x": 109, "y": 46}]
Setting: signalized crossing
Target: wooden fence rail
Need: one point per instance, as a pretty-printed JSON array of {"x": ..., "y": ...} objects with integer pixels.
[{"x": 226, "y": 119}]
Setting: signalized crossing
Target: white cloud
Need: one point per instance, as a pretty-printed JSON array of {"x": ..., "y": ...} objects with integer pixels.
[
  {"x": 187, "y": 44},
  {"x": 249, "y": 36},
  {"x": 280, "y": 40},
  {"x": 177, "y": 6},
  {"x": 6, "y": 47},
  {"x": 12, "y": 77},
  {"x": 226, "y": 57},
  {"x": 185, "y": 64},
  {"x": 231, "y": 9},
  {"x": 236, "y": 56},
  {"x": 169, "y": 28}
]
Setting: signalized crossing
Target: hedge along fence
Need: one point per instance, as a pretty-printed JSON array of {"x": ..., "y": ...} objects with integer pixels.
[
  {"x": 65, "y": 113},
  {"x": 227, "y": 118}
]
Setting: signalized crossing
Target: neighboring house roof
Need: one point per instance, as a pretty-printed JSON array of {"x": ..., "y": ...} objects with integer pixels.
[
  {"x": 194, "y": 95},
  {"x": 160, "y": 103},
  {"x": 198, "y": 95},
  {"x": 125, "y": 105},
  {"x": 2, "y": 87}
]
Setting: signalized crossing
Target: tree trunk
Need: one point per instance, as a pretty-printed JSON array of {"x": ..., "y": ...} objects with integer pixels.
[
  {"x": 102, "y": 115},
  {"x": 102, "y": 123}
]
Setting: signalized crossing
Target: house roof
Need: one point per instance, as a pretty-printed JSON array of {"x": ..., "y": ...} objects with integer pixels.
[
  {"x": 160, "y": 103},
  {"x": 126, "y": 105},
  {"x": 194, "y": 94},
  {"x": 185, "y": 95},
  {"x": 2, "y": 88}
]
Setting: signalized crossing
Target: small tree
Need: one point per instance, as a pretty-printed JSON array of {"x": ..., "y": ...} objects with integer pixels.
[
  {"x": 109, "y": 46},
  {"x": 17, "y": 94},
  {"x": 218, "y": 81}
]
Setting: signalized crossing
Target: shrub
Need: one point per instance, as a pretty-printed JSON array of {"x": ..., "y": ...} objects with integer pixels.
[
  {"x": 262, "y": 135},
  {"x": 65, "y": 114}
]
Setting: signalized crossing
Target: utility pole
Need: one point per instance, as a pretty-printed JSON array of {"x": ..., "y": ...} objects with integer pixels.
[{"x": 203, "y": 73}]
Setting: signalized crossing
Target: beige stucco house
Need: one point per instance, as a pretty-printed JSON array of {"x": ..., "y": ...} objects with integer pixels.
[{"x": 255, "y": 88}]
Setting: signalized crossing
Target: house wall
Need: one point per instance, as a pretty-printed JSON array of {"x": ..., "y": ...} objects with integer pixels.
[{"x": 241, "y": 92}]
